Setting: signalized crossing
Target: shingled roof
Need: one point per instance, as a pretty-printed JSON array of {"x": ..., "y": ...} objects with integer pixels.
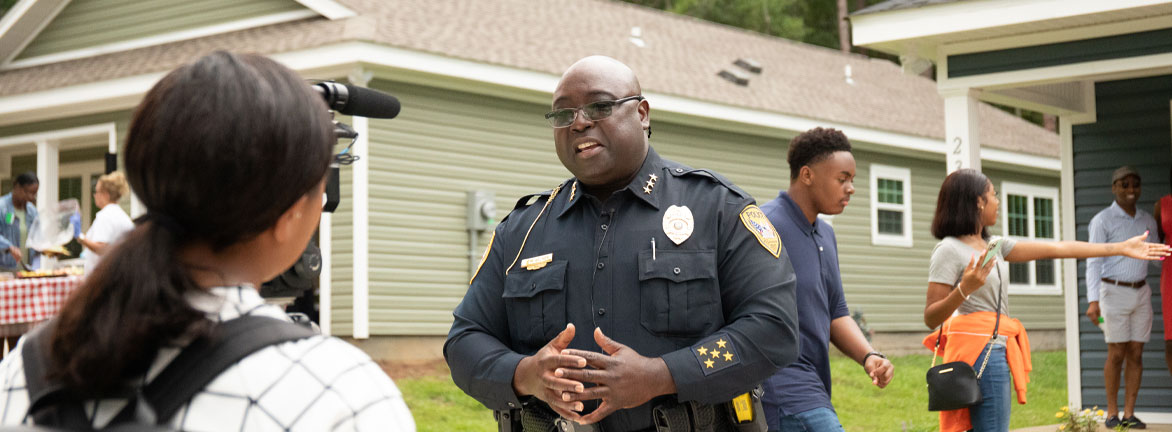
[{"x": 672, "y": 54}]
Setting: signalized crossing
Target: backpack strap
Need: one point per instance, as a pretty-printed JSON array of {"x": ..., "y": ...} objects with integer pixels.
[
  {"x": 50, "y": 403},
  {"x": 204, "y": 359}
]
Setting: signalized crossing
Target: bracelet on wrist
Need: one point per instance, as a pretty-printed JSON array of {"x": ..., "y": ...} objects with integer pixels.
[
  {"x": 962, "y": 294},
  {"x": 873, "y": 353}
]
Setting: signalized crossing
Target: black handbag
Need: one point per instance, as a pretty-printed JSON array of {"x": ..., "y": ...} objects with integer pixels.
[{"x": 954, "y": 385}]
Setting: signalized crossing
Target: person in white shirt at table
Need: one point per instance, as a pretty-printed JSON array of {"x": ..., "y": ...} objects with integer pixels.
[{"x": 111, "y": 222}]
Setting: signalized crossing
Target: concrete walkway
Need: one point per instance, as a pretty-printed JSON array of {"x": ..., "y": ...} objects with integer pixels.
[{"x": 1054, "y": 428}]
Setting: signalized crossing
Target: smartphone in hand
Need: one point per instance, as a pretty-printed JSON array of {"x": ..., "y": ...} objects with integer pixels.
[{"x": 994, "y": 249}]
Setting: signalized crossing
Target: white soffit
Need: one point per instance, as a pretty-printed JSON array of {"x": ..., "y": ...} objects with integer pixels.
[
  {"x": 923, "y": 29},
  {"x": 23, "y": 22}
]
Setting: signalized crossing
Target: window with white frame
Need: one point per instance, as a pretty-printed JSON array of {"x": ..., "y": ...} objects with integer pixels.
[
  {"x": 1029, "y": 212},
  {"x": 891, "y": 206}
]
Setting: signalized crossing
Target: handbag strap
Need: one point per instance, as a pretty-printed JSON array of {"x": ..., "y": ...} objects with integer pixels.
[{"x": 996, "y": 325}]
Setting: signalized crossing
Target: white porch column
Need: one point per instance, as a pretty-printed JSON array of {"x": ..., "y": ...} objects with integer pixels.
[
  {"x": 47, "y": 164},
  {"x": 961, "y": 132},
  {"x": 326, "y": 291},
  {"x": 360, "y": 189},
  {"x": 1070, "y": 266}
]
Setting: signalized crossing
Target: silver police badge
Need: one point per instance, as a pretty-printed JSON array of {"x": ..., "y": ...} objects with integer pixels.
[{"x": 678, "y": 223}]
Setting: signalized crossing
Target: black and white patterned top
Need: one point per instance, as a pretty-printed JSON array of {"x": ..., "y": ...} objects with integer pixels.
[{"x": 314, "y": 384}]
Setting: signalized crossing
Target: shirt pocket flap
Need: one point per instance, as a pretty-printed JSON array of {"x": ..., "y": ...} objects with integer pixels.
[
  {"x": 522, "y": 283},
  {"x": 677, "y": 266}
]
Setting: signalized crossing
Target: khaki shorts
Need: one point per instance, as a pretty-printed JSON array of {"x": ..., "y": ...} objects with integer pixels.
[{"x": 1127, "y": 313}]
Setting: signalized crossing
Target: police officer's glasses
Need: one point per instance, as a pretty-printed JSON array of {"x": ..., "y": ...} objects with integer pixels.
[{"x": 591, "y": 112}]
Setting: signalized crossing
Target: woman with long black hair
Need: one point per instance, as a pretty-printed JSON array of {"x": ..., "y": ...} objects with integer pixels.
[
  {"x": 958, "y": 282},
  {"x": 229, "y": 156}
]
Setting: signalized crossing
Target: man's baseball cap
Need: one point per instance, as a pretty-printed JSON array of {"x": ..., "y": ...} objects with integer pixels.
[{"x": 1122, "y": 172}]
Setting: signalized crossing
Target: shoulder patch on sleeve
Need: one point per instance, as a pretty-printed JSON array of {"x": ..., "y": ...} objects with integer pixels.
[
  {"x": 484, "y": 257},
  {"x": 716, "y": 353},
  {"x": 757, "y": 223}
]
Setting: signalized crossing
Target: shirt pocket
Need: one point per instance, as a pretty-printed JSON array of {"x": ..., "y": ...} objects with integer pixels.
[
  {"x": 535, "y": 301},
  {"x": 678, "y": 293}
]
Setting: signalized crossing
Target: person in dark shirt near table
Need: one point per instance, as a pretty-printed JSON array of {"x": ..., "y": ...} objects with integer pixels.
[
  {"x": 667, "y": 281},
  {"x": 822, "y": 172}
]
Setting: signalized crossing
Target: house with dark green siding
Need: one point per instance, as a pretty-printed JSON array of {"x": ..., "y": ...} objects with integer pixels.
[
  {"x": 1105, "y": 69},
  {"x": 474, "y": 79}
]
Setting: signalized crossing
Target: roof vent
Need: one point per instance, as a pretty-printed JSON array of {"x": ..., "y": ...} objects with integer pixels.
[
  {"x": 636, "y": 37},
  {"x": 749, "y": 65},
  {"x": 734, "y": 76}
]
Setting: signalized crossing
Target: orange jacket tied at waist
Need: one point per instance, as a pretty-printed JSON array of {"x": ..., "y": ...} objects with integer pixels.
[{"x": 965, "y": 338}]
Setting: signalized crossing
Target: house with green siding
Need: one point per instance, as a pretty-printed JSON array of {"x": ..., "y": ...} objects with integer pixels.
[
  {"x": 474, "y": 79},
  {"x": 1105, "y": 70}
]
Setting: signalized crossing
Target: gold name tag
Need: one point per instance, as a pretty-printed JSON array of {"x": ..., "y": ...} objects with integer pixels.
[{"x": 537, "y": 261}]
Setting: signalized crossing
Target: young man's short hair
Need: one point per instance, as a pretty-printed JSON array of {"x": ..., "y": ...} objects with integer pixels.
[{"x": 813, "y": 146}]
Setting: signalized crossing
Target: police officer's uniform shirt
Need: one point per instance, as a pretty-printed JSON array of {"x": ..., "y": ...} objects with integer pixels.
[
  {"x": 314, "y": 384},
  {"x": 718, "y": 307},
  {"x": 805, "y": 384}
]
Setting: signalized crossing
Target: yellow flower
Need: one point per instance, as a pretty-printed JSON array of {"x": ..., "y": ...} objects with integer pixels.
[
  {"x": 1057, "y": 415},
  {"x": 1086, "y": 411},
  {"x": 1099, "y": 413},
  {"x": 1065, "y": 409},
  {"x": 1061, "y": 427}
]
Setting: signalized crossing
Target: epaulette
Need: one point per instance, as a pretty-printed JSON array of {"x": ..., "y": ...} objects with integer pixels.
[
  {"x": 528, "y": 200},
  {"x": 681, "y": 171}
]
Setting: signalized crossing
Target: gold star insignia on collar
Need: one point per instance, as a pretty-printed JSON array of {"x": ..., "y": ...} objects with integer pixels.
[
  {"x": 654, "y": 178},
  {"x": 651, "y": 179},
  {"x": 647, "y": 189}
]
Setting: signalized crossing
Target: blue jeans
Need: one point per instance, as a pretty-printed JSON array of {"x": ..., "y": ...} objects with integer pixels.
[
  {"x": 815, "y": 420},
  {"x": 992, "y": 414}
]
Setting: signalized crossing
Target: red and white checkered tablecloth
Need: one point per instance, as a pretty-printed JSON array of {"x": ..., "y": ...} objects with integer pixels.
[{"x": 34, "y": 299}]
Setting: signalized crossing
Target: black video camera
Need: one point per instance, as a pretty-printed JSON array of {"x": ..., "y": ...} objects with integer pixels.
[{"x": 300, "y": 282}]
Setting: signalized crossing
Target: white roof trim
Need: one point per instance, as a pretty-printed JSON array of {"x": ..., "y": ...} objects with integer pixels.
[
  {"x": 162, "y": 39},
  {"x": 328, "y": 8},
  {"x": 936, "y": 20},
  {"x": 338, "y": 59},
  {"x": 12, "y": 40}
]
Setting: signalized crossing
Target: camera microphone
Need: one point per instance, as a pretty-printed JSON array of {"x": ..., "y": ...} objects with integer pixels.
[{"x": 357, "y": 101}]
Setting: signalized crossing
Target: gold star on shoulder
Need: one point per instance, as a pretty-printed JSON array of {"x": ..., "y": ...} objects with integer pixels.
[
  {"x": 721, "y": 343},
  {"x": 709, "y": 363},
  {"x": 703, "y": 351},
  {"x": 715, "y": 354},
  {"x": 727, "y": 356}
]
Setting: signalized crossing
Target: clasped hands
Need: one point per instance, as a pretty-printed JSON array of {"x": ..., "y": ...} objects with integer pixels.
[{"x": 621, "y": 377}]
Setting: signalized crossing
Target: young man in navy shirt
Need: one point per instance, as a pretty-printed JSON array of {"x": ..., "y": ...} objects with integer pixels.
[{"x": 822, "y": 172}]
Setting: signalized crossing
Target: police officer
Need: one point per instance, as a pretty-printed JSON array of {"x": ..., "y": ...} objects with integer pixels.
[{"x": 639, "y": 284}]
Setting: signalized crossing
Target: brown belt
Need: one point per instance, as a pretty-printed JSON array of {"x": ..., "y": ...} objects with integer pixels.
[{"x": 1125, "y": 284}]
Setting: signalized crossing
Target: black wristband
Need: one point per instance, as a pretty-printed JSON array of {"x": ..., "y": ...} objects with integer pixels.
[{"x": 873, "y": 353}]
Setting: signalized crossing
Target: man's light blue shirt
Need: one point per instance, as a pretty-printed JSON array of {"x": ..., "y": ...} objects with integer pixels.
[{"x": 1111, "y": 225}]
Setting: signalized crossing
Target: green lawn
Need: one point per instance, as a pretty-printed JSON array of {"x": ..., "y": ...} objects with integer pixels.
[
  {"x": 438, "y": 405},
  {"x": 903, "y": 405}
]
